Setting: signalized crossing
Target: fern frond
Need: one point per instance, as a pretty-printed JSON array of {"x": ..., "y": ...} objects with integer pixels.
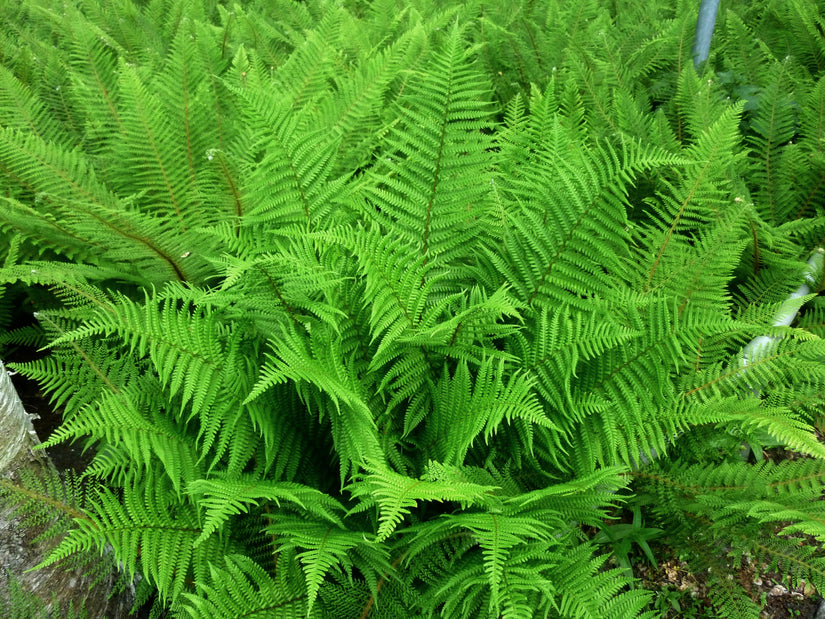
[
  {"x": 399, "y": 282},
  {"x": 149, "y": 151},
  {"x": 147, "y": 436},
  {"x": 322, "y": 547},
  {"x": 21, "y": 108},
  {"x": 354, "y": 108},
  {"x": 555, "y": 247},
  {"x": 559, "y": 341},
  {"x": 703, "y": 196},
  {"x": 511, "y": 547},
  {"x": 432, "y": 176},
  {"x": 730, "y": 600},
  {"x": 243, "y": 588},
  {"x": 321, "y": 367},
  {"x": 586, "y": 589},
  {"x": 46, "y": 499},
  {"x": 465, "y": 409},
  {"x": 291, "y": 184},
  {"x": 75, "y": 382},
  {"x": 395, "y": 494},
  {"x": 223, "y": 498},
  {"x": 773, "y": 126},
  {"x": 183, "y": 346},
  {"x": 147, "y": 532}
]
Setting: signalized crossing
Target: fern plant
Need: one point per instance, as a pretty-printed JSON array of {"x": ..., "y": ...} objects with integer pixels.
[{"x": 384, "y": 309}]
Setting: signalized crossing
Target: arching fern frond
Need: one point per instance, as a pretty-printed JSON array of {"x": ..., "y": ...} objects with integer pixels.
[
  {"x": 322, "y": 547},
  {"x": 432, "y": 176},
  {"x": 148, "y": 532},
  {"x": 395, "y": 494},
  {"x": 223, "y": 498},
  {"x": 184, "y": 345},
  {"x": 148, "y": 436}
]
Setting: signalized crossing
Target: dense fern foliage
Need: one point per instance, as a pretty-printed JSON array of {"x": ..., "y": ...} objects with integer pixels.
[{"x": 386, "y": 309}]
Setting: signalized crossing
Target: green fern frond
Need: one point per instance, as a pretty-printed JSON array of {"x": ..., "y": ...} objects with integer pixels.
[
  {"x": 703, "y": 195},
  {"x": 579, "y": 571},
  {"x": 147, "y": 533},
  {"x": 292, "y": 161},
  {"x": 190, "y": 101},
  {"x": 482, "y": 404},
  {"x": 149, "y": 150},
  {"x": 147, "y": 436},
  {"x": 322, "y": 547},
  {"x": 244, "y": 588},
  {"x": 18, "y": 603},
  {"x": 398, "y": 282},
  {"x": 321, "y": 369},
  {"x": 559, "y": 341},
  {"x": 45, "y": 499},
  {"x": 21, "y": 108},
  {"x": 432, "y": 177},
  {"x": 513, "y": 549},
  {"x": 223, "y": 498},
  {"x": 395, "y": 494},
  {"x": 360, "y": 100},
  {"x": 555, "y": 246},
  {"x": 76, "y": 382},
  {"x": 583, "y": 499},
  {"x": 772, "y": 127},
  {"x": 730, "y": 600},
  {"x": 187, "y": 360}
]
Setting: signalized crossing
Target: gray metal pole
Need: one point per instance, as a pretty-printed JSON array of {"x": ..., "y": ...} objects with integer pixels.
[{"x": 704, "y": 31}]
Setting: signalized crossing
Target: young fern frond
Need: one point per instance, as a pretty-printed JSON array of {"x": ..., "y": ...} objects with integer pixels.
[
  {"x": 395, "y": 494},
  {"x": 319, "y": 370},
  {"x": 485, "y": 404}
]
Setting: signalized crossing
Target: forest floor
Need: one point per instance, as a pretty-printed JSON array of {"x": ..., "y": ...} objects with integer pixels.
[{"x": 683, "y": 594}]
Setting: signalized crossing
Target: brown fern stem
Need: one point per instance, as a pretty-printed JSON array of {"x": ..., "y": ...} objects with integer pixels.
[{"x": 371, "y": 601}]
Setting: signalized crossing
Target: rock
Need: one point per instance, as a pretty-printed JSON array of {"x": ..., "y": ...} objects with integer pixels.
[{"x": 51, "y": 591}]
